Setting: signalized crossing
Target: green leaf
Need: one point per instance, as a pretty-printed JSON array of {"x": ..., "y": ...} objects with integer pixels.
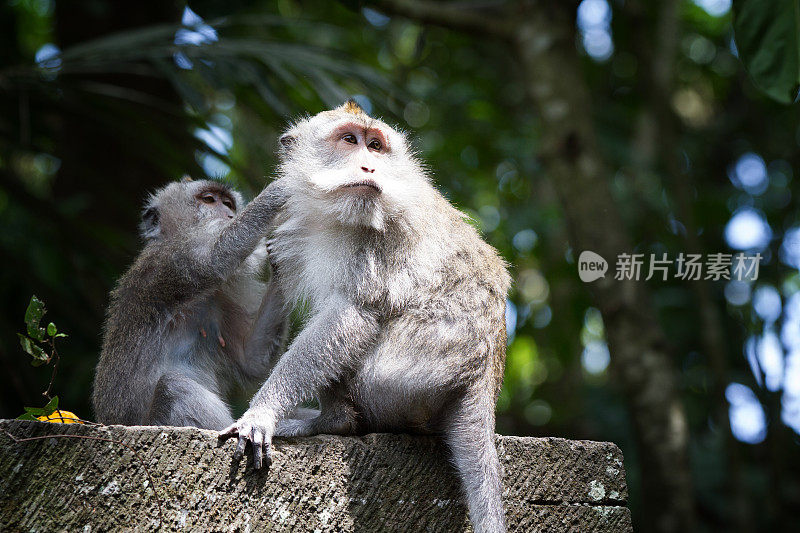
[
  {"x": 26, "y": 343},
  {"x": 51, "y": 406},
  {"x": 57, "y": 335},
  {"x": 767, "y": 37},
  {"x": 34, "y": 350},
  {"x": 33, "y": 315},
  {"x": 32, "y": 412},
  {"x": 51, "y": 329},
  {"x": 47, "y": 410}
]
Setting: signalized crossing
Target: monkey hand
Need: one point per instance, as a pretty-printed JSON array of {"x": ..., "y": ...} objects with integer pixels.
[
  {"x": 256, "y": 426},
  {"x": 273, "y": 265},
  {"x": 277, "y": 192}
]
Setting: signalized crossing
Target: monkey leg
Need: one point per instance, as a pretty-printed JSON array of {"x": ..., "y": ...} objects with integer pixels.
[
  {"x": 469, "y": 433},
  {"x": 335, "y": 418},
  {"x": 295, "y": 424},
  {"x": 179, "y": 400}
]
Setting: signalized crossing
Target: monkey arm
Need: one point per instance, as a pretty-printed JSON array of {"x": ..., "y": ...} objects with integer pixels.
[
  {"x": 239, "y": 238},
  {"x": 328, "y": 346},
  {"x": 267, "y": 335},
  {"x": 331, "y": 343}
]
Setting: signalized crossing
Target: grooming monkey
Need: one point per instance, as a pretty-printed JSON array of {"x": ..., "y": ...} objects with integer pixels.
[
  {"x": 406, "y": 330},
  {"x": 178, "y": 329}
]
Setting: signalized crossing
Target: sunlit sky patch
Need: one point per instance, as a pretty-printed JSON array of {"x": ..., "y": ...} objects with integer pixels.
[
  {"x": 767, "y": 303},
  {"x": 378, "y": 20},
  {"x": 748, "y": 421},
  {"x": 593, "y": 14},
  {"x": 594, "y": 23},
  {"x": 196, "y": 33},
  {"x": 182, "y": 61},
  {"x": 748, "y": 230},
  {"x": 737, "y": 292},
  {"x": 790, "y": 331},
  {"x": 790, "y": 247},
  {"x": 715, "y": 8},
  {"x": 790, "y": 400},
  {"x": 47, "y": 56},
  {"x": 751, "y": 354},
  {"x": 218, "y": 139},
  {"x": 511, "y": 319},
  {"x": 732, "y": 47},
  {"x": 213, "y": 166},
  {"x": 525, "y": 240},
  {"x": 770, "y": 358},
  {"x": 790, "y": 336},
  {"x": 595, "y": 357},
  {"x": 749, "y": 173}
]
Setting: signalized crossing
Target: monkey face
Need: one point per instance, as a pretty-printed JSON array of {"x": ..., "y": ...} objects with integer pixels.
[
  {"x": 215, "y": 202},
  {"x": 353, "y": 167},
  {"x": 187, "y": 203}
]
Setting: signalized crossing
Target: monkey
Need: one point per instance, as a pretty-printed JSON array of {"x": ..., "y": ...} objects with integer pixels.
[
  {"x": 406, "y": 324},
  {"x": 190, "y": 319}
]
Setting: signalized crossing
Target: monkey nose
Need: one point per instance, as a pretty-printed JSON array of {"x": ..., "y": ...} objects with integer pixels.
[{"x": 368, "y": 170}]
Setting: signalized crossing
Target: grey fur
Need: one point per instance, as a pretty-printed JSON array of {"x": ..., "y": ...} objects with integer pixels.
[
  {"x": 406, "y": 330},
  {"x": 178, "y": 329}
]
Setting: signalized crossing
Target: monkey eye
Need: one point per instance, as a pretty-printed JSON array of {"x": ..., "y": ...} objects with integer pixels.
[
  {"x": 208, "y": 198},
  {"x": 350, "y": 138},
  {"x": 227, "y": 203},
  {"x": 375, "y": 145}
]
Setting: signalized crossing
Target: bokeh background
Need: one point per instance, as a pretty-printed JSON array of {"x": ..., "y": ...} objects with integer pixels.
[{"x": 609, "y": 125}]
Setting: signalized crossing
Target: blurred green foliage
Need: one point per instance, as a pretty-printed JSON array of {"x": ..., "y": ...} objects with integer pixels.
[
  {"x": 768, "y": 41},
  {"x": 119, "y": 107}
]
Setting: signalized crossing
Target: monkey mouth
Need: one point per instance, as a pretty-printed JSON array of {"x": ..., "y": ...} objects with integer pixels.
[{"x": 363, "y": 186}]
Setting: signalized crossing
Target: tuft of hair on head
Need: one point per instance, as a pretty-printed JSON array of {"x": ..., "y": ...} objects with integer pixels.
[
  {"x": 351, "y": 106},
  {"x": 186, "y": 178}
]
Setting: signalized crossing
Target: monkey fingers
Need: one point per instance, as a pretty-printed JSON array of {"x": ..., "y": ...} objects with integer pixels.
[
  {"x": 256, "y": 436},
  {"x": 233, "y": 431},
  {"x": 273, "y": 265},
  {"x": 240, "y": 446},
  {"x": 259, "y": 446}
]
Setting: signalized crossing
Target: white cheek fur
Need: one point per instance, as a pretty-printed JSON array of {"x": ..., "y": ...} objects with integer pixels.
[{"x": 328, "y": 180}]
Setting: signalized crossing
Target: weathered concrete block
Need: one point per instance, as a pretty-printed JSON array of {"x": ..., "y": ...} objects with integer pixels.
[{"x": 377, "y": 482}]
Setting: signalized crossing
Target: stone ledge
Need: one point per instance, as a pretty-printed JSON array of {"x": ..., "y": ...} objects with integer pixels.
[{"x": 376, "y": 482}]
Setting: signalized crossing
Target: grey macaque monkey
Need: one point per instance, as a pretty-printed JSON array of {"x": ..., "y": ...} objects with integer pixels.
[
  {"x": 406, "y": 330},
  {"x": 190, "y": 319}
]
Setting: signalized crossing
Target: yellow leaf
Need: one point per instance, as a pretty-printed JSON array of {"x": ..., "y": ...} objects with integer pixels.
[{"x": 60, "y": 416}]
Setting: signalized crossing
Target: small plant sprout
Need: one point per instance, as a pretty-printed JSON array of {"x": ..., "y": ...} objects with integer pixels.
[{"x": 40, "y": 343}]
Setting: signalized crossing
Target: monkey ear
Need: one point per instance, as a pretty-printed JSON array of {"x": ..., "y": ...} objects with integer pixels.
[
  {"x": 150, "y": 225},
  {"x": 287, "y": 140}
]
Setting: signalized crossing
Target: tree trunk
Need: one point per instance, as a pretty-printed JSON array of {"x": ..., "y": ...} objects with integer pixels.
[
  {"x": 542, "y": 36},
  {"x": 640, "y": 359}
]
